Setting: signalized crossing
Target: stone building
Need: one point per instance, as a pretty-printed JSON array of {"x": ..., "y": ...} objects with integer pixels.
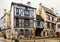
[
  {"x": 39, "y": 26},
  {"x": 49, "y": 20},
  {"x": 20, "y": 21},
  {"x": 5, "y": 22},
  {"x": 58, "y": 26}
]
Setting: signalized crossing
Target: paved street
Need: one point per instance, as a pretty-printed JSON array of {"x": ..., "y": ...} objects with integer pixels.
[
  {"x": 2, "y": 40},
  {"x": 41, "y": 40},
  {"x": 36, "y": 40}
]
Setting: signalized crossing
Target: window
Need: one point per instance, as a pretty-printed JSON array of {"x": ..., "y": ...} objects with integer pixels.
[
  {"x": 21, "y": 32},
  {"x": 58, "y": 25},
  {"x": 44, "y": 33},
  {"x": 32, "y": 14},
  {"x": 52, "y": 25},
  {"x": 26, "y": 33},
  {"x": 41, "y": 24},
  {"x": 26, "y": 12},
  {"x": 17, "y": 10},
  {"x": 17, "y": 22},
  {"x": 48, "y": 25},
  {"x": 26, "y": 22},
  {"x": 38, "y": 23},
  {"x": 48, "y": 17},
  {"x": 52, "y": 18}
]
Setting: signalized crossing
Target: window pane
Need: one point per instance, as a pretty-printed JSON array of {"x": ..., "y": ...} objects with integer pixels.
[
  {"x": 26, "y": 12},
  {"x": 58, "y": 25},
  {"x": 21, "y": 32},
  {"x": 26, "y": 22},
  {"x": 17, "y": 22},
  {"x": 48, "y": 17},
  {"x": 17, "y": 10},
  {"x": 41, "y": 24},
  {"x": 52, "y": 18},
  {"x": 48, "y": 25},
  {"x": 38, "y": 23},
  {"x": 26, "y": 33}
]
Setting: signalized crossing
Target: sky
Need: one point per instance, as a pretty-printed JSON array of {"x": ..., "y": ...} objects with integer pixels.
[{"x": 5, "y": 4}]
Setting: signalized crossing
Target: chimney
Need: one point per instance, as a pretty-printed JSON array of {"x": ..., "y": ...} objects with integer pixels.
[
  {"x": 40, "y": 4},
  {"x": 28, "y": 3},
  {"x": 52, "y": 8},
  {"x": 5, "y": 11}
]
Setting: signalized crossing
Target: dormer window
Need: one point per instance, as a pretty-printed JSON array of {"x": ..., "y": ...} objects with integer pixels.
[
  {"x": 26, "y": 12},
  {"x": 17, "y": 10}
]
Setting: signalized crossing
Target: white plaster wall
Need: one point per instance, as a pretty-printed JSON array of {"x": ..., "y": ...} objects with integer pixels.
[{"x": 12, "y": 17}]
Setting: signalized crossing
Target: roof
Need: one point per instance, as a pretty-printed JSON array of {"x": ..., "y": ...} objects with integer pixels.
[
  {"x": 20, "y": 4},
  {"x": 47, "y": 10},
  {"x": 38, "y": 17}
]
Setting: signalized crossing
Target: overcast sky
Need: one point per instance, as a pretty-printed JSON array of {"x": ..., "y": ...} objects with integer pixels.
[{"x": 5, "y": 4}]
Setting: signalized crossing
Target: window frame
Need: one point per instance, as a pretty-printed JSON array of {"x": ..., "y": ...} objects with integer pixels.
[
  {"x": 38, "y": 23},
  {"x": 17, "y": 23},
  {"x": 48, "y": 25},
  {"x": 26, "y": 11},
  {"x": 16, "y": 10},
  {"x": 52, "y": 18},
  {"x": 26, "y": 23},
  {"x": 48, "y": 17},
  {"x": 58, "y": 25}
]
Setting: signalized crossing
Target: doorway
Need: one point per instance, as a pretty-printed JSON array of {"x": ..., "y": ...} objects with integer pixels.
[{"x": 38, "y": 31}]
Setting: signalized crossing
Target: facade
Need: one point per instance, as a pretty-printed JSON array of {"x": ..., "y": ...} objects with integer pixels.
[
  {"x": 5, "y": 22},
  {"x": 39, "y": 26},
  {"x": 22, "y": 20},
  {"x": 58, "y": 26},
  {"x": 49, "y": 20}
]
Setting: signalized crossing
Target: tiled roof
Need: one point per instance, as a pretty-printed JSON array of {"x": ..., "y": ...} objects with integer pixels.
[
  {"x": 20, "y": 4},
  {"x": 47, "y": 10}
]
